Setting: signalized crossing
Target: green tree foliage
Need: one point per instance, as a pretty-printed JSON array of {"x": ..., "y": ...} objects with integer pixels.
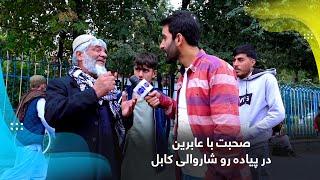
[
  {"x": 42, "y": 32},
  {"x": 48, "y": 27},
  {"x": 225, "y": 25}
]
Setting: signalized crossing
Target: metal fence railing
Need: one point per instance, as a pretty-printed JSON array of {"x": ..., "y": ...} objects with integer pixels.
[
  {"x": 301, "y": 103},
  {"x": 18, "y": 69}
]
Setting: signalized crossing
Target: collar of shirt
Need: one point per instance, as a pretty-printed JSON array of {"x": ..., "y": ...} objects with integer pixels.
[{"x": 195, "y": 63}]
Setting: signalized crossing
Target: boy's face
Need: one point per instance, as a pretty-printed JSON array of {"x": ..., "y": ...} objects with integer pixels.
[{"x": 143, "y": 72}]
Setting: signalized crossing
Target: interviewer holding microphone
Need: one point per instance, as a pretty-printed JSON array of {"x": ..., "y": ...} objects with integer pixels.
[{"x": 84, "y": 103}]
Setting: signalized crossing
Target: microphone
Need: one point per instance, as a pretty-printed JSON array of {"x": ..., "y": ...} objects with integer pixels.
[
  {"x": 140, "y": 87},
  {"x": 100, "y": 70}
]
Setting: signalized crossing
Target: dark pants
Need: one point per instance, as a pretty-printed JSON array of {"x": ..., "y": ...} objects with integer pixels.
[
  {"x": 188, "y": 177},
  {"x": 260, "y": 151}
]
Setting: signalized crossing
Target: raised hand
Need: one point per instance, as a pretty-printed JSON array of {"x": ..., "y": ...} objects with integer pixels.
[
  {"x": 127, "y": 106},
  {"x": 104, "y": 84}
]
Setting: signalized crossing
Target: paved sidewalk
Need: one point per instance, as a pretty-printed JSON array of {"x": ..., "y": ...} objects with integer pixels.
[{"x": 306, "y": 166}]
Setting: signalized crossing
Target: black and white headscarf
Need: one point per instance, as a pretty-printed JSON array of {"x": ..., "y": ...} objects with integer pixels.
[{"x": 85, "y": 81}]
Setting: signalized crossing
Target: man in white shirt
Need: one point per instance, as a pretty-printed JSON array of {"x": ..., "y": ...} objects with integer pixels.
[{"x": 261, "y": 107}]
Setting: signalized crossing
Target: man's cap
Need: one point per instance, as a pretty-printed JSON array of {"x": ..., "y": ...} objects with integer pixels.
[{"x": 81, "y": 40}]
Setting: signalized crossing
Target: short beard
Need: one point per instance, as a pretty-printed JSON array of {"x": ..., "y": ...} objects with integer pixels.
[{"x": 172, "y": 54}]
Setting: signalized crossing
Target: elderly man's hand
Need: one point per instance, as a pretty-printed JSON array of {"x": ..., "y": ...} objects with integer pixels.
[
  {"x": 153, "y": 99},
  {"x": 104, "y": 84},
  {"x": 127, "y": 106}
]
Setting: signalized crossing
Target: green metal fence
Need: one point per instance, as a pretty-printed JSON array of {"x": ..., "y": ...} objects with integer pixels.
[{"x": 301, "y": 103}]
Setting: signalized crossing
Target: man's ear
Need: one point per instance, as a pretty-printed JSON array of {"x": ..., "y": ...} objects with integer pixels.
[
  {"x": 154, "y": 74},
  {"x": 253, "y": 62},
  {"x": 80, "y": 57},
  {"x": 179, "y": 39}
]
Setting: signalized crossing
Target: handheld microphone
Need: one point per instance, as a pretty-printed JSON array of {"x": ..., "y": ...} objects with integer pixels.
[
  {"x": 140, "y": 87},
  {"x": 100, "y": 70}
]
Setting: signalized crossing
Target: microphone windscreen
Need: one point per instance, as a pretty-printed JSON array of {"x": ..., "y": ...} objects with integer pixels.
[{"x": 134, "y": 81}]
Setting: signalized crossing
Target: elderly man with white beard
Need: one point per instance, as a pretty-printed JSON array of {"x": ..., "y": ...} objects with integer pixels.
[{"x": 85, "y": 103}]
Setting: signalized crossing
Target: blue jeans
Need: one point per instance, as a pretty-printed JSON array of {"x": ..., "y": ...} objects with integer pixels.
[{"x": 30, "y": 163}]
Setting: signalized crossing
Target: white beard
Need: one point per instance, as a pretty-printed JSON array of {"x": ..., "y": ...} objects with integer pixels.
[
  {"x": 91, "y": 65},
  {"x": 100, "y": 70}
]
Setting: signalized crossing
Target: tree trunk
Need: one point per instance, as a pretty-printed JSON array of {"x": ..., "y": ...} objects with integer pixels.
[
  {"x": 62, "y": 37},
  {"x": 78, "y": 10},
  {"x": 296, "y": 76},
  {"x": 185, "y": 4}
]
